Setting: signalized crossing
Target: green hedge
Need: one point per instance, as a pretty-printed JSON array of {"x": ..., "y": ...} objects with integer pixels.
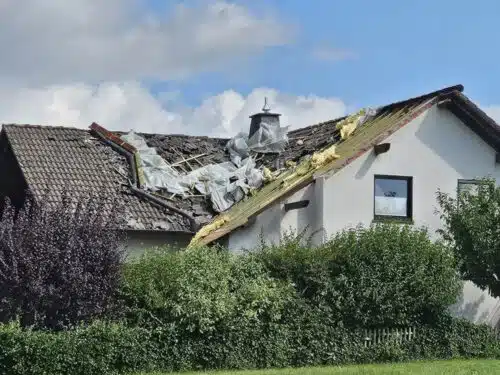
[
  {"x": 114, "y": 349},
  {"x": 98, "y": 349},
  {"x": 380, "y": 276},
  {"x": 287, "y": 305}
]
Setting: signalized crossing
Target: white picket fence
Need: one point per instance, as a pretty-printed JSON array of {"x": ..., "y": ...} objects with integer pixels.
[{"x": 378, "y": 336}]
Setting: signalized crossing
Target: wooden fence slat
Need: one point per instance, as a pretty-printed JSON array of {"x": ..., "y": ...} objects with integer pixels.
[{"x": 377, "y": 336}]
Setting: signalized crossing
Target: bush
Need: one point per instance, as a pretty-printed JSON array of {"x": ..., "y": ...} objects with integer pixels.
[
  {"x": 60, "y": 264},
  {"x": 225, "y": 308},
  {"x": 450, "y": 338},
  {"x": 115, "y": 349},
  {"x": 380, "y": 276},
  {"x": 200, "y": 290}
]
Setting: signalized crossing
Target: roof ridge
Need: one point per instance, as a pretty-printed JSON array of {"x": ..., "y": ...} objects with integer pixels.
[
  {"x": 443, "y": 91},
  {"x": 35, "y": 126}
]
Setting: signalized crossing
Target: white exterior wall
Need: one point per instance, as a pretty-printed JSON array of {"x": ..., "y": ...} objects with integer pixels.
[
  {"x": 275, "y": 222},
  {"x": 140, "y": 241},
  {"x": 436, "y": 149}
]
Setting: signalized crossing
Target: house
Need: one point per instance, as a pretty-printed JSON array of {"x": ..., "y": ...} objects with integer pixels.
[{"x": 382, "y": 164}]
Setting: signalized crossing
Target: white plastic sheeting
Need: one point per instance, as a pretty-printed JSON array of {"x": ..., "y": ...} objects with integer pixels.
[
  {"x": 370, "y": 113},
  {"x": 225, "y": 183}
]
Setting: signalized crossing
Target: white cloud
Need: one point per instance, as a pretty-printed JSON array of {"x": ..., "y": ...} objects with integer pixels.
[
  {"x": 57, "y": 41},
  {"x": 109, "y": 46},
  {"x": 126, "y": 106}
]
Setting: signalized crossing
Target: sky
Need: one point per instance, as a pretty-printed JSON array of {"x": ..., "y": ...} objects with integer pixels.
[{"x": 203, "y": 66}]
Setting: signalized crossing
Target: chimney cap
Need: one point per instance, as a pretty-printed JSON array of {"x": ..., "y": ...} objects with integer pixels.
[{"x": 265, "y": 110}]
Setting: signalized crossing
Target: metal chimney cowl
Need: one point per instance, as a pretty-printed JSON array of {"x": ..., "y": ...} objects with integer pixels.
[{"x": 272, "y": 119}]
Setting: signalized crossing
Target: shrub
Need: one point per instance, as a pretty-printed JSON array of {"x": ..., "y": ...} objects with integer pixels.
[
  {"x": 380, "y": 276},
  {"x": 59, "y": 264},
  {"x": 223, "y": 308},
  {"x": 450, "y": 338},
  {"x": 200, "y": 289}
]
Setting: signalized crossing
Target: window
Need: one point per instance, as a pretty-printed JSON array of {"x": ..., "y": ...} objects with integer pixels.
[
  {"x": 393, "y": 197},
  {"x": 469, "y": 186}
]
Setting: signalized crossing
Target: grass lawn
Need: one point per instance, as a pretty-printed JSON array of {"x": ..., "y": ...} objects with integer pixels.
[{"x": 475, "y": 367}]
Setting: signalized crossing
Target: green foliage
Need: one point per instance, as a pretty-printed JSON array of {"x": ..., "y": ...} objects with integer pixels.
[
  {"x": 471, "y": 225},
  {"x": 380, "y": 276},
  {"x": 312, "y": 340},
  {"x": 451, "y": 338},
  {"x": 98, "y": 349},
  {"x": 287, "y": 305},
  {"x": 201, "y": 290}
]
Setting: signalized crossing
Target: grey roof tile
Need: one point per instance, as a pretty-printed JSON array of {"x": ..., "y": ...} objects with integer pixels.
[{"x": 51, "y": 157}]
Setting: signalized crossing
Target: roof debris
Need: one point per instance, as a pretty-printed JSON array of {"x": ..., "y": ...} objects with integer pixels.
[
  {"x": 207, "y": 229},
  {"x": 223, "y": 183},
  {"x": 350, "y": 123}
]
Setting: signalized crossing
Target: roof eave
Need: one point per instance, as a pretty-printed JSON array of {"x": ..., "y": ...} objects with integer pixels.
[{"x": 473, "y": 117}]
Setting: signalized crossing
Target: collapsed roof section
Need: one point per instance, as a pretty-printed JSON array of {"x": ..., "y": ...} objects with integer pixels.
[{"x": 224, "y": 184}]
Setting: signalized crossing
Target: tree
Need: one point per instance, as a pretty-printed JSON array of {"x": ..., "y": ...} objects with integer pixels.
[
  {"x": 60, "y": 262},
  {"x": 471, "y": 225}
]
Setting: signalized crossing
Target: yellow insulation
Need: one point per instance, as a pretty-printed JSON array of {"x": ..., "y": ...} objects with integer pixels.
[
  {"x": 349, "y": 124},
  {"x": 207, "y": 229},
  {"x": 268, "y": 175},
  {"x": 318, "y": 160}
]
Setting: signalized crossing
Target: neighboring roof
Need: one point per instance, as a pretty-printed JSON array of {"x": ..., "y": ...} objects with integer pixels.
[
  {"x": 331, "y": 153},
  {"x": 51, "y": 157}
]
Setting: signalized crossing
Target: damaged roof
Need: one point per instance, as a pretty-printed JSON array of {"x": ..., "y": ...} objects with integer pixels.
[
  {"x": 51, "y": 157},
  {"x": 329, "y": 152}
]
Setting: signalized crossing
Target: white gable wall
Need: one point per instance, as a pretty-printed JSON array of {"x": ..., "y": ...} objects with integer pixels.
[
  {"x": 276, "y": 222},
  {"x": 436, "y": 149}
]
